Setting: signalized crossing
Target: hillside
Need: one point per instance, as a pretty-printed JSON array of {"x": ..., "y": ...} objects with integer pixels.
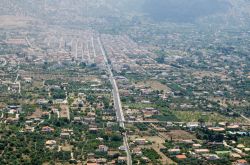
[{"x": 181, "y": 11}]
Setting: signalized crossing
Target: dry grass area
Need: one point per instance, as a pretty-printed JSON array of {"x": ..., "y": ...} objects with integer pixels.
[
  {"x": 180, "y": 135},
  {"x": 37, "y": 114},
  {"x": 155, "y": 85},
  {"x": 224, "y": 102},
  {"x": 2, "y": 105},
  {"x": 67, "y": 147},
  {"x": 157, "y": 144},
  {"x": 177, "y": 53},
  {"x": 219, "y": 100},
  {"x": 64, "y": 113},
  {"x": 59, "y": 163},
  {"x": 16, "y": 41},
  {"x": 40, "y": 76},
  {"x": 194, "y": 116},
  {"x": 202, "y": 74},
  {"x": 9, "y": 21},
  {"x": 37, "y": 84}
]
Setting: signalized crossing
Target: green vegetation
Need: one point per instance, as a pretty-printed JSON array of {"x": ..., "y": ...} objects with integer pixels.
[{"x": 152, "y": 155}]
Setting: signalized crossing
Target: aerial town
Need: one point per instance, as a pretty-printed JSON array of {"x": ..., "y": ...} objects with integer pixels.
[{"x": 83, "y": 93}]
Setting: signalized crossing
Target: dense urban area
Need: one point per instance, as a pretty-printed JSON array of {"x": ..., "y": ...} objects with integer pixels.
[{"x": 80, "y": 88}]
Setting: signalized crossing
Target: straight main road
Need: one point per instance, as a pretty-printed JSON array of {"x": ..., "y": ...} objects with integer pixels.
[{"x": 117, "y": 103}]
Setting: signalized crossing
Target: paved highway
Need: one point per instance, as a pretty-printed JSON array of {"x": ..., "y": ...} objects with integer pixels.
[{"x": 117, "y": 104}]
